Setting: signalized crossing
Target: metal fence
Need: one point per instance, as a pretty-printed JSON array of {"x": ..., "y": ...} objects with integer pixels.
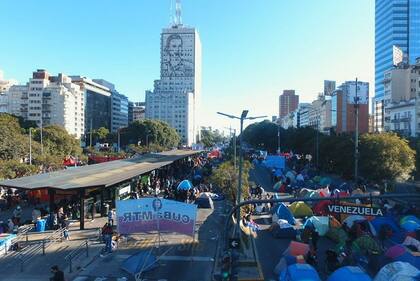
[{"x": 83, "y": 247}]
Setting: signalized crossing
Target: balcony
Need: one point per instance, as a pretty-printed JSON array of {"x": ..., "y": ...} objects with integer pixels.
[{"x": 401, "y": 120}]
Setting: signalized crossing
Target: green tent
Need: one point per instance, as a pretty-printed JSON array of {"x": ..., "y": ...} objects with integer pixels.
[
  {"x": 366, "y": 244},
  {"x": 338, "y": 235}
]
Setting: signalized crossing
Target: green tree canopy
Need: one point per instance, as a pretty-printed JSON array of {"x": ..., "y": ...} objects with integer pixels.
[
  {"x": 101, "y": 134},
  {"x": 13, "y": 143},
  {"x": 386, "y": 156},
  {"x": 148, "y": 132},
  {"x": 210, "y": 138},
  {"x": 57, "y": 142},
  {"x": 11, "y": 169}
]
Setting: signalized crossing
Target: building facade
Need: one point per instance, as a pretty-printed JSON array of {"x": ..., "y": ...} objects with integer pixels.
[
  {"x": 119, "y": 106},
  {"x": 329, "y": 87},
  {"x": 288, "y": 102},
  {"x": 175, "y": 98},
  {"x": 4, "y": 87},
  {"x": 397, "y": 22},
  {"x": 402, "y": 117},
  {"x": 49, "y": 100},
  {"x": 97, "y": 106},
  {"x": 137, "y": 111},
  {"x": 343, "y": 110}
]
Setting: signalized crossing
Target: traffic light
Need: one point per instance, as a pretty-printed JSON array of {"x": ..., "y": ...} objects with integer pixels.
[{"x": 226, "y": 267}]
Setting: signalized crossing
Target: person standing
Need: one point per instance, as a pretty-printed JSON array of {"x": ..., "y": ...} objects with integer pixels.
[
  {"x": 111, "y": 217},
  {"x": 58, "y": 274},
  {"x": 17, "y": 214}
]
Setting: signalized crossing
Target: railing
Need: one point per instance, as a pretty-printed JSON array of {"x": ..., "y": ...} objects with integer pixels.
[
  {"x": 30, "y": 251},
  {"x": 84, "y": 246}
]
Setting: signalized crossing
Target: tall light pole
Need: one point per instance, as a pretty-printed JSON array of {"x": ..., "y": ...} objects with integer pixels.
[
  {"x": 356, "y": 142},
  {"x": 278, "y": 137},
  {"x": 118, "y": 139},
  {"x": 241, "y": 118},
  {"x": 42, "y": 143}
]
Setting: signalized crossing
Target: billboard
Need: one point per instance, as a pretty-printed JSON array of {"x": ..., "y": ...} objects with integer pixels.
[
  {"x": 155, "y": 214},
  {"x": 397, "y": 55},
  {"x": 362, "y": 93}
]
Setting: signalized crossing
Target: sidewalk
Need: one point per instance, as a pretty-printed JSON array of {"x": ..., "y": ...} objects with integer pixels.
[{"x": 39, "y": 267}]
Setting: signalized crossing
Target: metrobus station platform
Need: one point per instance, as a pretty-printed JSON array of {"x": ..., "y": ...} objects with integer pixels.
[{"x": 100, "y": 183}]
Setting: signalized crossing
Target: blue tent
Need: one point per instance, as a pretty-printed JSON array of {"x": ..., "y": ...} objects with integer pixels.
[
  {"x": 274, "y": 161},
  {"x": 409, "y": 258},
  {"x": 185, "y": 185},
  {"x": 380, "y": 222},
  {"x": 410, "y": 223},
  {"x": 299, "y": 272},
  {"x": 349, "y": 273},
  {"x": 284, "y": 213},
  {"x": 142, "y": 261}
]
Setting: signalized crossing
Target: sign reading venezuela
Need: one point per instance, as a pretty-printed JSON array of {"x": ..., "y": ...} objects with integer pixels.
[
  {"x": 155, "y": 214},
  {"x": 355, "y": 210}
]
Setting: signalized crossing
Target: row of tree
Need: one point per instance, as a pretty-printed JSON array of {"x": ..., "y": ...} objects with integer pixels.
[
  {"x": 16, "y": 144},
  {"x": 384, "y": 156}
]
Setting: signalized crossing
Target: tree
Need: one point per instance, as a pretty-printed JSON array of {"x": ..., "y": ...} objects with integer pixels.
[
  {"x": 385, "y": 156},
  {"x": 210, "y": 138},
  {"x": 57, "y": 142},
  {"x": 13, "y": 143},
  {"x": 150, "y": 131},
  {"x": 225, "y": 176},
  {"x": 101, "y": 134},
  {"x": 11, "y": 169}
]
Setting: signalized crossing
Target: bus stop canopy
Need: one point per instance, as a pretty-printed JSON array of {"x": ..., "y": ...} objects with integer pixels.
[{"x": 99, "y": 175}]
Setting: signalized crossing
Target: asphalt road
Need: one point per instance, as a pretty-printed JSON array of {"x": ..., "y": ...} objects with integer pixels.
[{"x": 270, "y": 249}]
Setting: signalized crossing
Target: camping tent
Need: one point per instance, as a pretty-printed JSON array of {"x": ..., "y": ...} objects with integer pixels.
[
  {"x": 410, "y": 223},
  {"x": 282, "y": 212},
  {"x": 321, "y": 224},
  {"x": 380, "y": 224},
  {"x": 400, "y": 253},
  {"x": 277, "y": 186},
  {"x": 286, "y": 261},
  {"x": 398, "y": 271},
  {"x": 141, "y": 262},
  {"x": 296, "y": 249},
  {"x": 367, "y": 244},
  {"x": 185, "y": 185},
  {"x": 321, "y": 208},
  {"x": 325, "y": 181},
  {"x": 291, "y": 176},
  {"x": 300, "y": 209},
  {"x": 298, "y": 272},
  {"x": 349, "y": 273}
]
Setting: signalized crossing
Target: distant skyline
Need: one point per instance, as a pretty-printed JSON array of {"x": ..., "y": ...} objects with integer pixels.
[{"x": 252, "y": 50}]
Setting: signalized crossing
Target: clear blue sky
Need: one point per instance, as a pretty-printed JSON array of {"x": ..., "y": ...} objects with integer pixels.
[{"x": 252, "y": 50}]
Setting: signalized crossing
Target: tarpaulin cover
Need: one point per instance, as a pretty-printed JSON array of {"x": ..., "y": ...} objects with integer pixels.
[
  {"x": 142, "y": 261},
  {"x": 300, "y": 209},
  {"x": 278, "y": 232},
  {"x": 366, "y": 243},
  {"x": 296, "y": 249},
  {"x": 349, "y": 273},
  {"x": 299, "y": 272},
  {"x": 321, "y": 224},
  {"x": 350, "y": 220},
  {"x": 185, "y": 185},
  {"x": 388, "y": 222},
  {"x": 398, "y": 271},
  {"x": 284, "y": 213},
  {"x": 410, "y": 258},
  {"x": 274, "y": 161}
]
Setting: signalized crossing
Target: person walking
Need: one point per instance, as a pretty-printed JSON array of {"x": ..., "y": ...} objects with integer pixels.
[
  {"x": 107, "y": 235},
  {"x": 58, "y": 274}
]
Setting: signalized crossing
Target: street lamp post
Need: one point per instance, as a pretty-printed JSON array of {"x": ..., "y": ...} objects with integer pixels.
[
  {"x": 241, "y": 118},
  {"x": 30, "y": 146}
]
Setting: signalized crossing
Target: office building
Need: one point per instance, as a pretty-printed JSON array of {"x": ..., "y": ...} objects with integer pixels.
[
  {"x": 136, "y": 111},
  {"x": 303, "y": 114},
  {"x": 176, "y": 95},
  {"x": 119, "y": 106},
  {"x": 402, "y": 117},
  {"x": 49, "y": 100},
  {"x": 343, "y": 110},
  {"x": 397, "y": 23},
  {"x": 97, "y": 106},
  {"x": 4, "y": 87},
  {"x": 329, "y": 87},
  {"x": 288, "y": 102}
]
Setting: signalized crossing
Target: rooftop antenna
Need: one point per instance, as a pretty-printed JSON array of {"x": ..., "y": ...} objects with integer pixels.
[{"x": 178, "y": 19}]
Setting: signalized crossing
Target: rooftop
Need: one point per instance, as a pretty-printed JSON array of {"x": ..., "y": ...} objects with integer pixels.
[{"x": 99, "y": 175}]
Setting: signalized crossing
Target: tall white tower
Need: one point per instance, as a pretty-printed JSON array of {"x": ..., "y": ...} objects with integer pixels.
[{"x": 175, "y": 98}]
